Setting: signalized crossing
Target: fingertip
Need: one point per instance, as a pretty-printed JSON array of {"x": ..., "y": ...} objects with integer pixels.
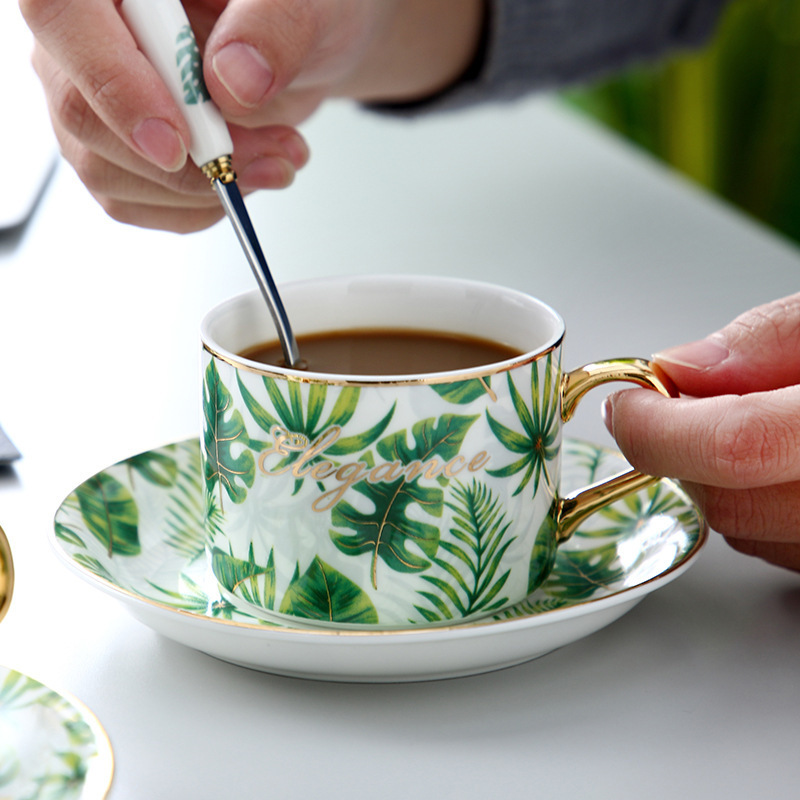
[
  {"x": 161, "y": 143},
  {"x": 757, "y": 351},
  {"x": 700, "y": 356},
  {"x": 607, "y": 414},
  {"x": 295, "y": 147},
  {"x": 627, "y": 415},
  {"x": 779, "y": 554},
  {"x": 243, "y": 73},
  {"x": 267, "y": 172},
  {"x": 155, "y": 217}
]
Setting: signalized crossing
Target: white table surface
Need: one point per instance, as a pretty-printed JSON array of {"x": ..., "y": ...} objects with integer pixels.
[{"x": 694, "y": 693}]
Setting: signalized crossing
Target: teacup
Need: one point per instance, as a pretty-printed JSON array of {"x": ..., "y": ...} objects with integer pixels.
[{"x": 386, "y": 501}]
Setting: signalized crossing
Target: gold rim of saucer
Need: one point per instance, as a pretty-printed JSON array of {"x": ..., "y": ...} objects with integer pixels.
[
  {"x": 6, "y": 574},
  {"x": 96, "y": 781},
  {"x": 423, "y": 379}
]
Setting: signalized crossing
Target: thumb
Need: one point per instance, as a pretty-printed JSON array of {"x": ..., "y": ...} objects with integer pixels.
[
  {"x": 257, "y": 48},
  {"x": 758, "y": 351}
]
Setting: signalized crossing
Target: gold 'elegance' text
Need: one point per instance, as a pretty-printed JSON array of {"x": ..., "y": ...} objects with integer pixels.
[{"x": 310, "y": 464}]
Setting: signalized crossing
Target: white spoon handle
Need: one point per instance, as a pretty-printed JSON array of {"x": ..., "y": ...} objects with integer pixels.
[{"x": 165, "y": 36}]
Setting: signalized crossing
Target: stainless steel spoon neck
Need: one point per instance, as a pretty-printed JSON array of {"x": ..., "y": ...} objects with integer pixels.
[{"x": 233, "y": 204}]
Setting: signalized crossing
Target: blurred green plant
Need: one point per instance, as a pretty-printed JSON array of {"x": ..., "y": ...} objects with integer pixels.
[{"x": 728, "y": 116}]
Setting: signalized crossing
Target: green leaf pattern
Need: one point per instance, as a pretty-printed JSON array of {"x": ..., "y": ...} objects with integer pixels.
[
  {"x": 110, "y": 513},
  {"x": 415, "y": 519},
  {"x": 154, "y": 466},
  {"x": 386, "y": 529},
  {"x": 617, "y": 547},
  {"x": 303, "y": 415},
  {"x": 394, "y": 521},
  {"x": 323, "y": 593},
  {"x": 536, "y": 440},
  {"x": 584, "y": 573},
  {"x": 611, "y": 550},
  {"x": 464, "y": 392},
  {"x": 66, "y": 749},
  {"x": 228, "y": 462},
  {"x": 252, "y": 582},
  {"x": 190, "y": 64},
  {"x": 467, "y": 581}
]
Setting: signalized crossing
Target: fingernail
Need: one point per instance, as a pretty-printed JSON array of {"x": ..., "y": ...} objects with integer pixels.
[
  {"x": 296, "y": 149},
  {"x": 244, "y": 72},
  {"x": 701, "y": 355},
  {"x": 268, "y": 172},
  {"x": 161, "y": 143},
  {"x": 607, "y": 413}
]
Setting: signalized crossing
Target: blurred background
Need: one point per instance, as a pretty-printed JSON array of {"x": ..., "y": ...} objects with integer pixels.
[{"x": 727, "y": 116}]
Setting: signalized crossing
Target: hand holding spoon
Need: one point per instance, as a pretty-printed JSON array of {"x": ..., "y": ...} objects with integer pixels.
[{"x": 164, "y": 35}]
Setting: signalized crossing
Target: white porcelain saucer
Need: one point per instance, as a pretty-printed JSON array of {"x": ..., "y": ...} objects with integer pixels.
[
  {"x": 135, "y": 530},
  {"x": 51, "y": 746}
]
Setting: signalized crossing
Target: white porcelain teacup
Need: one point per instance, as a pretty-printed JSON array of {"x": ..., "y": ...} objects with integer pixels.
[{"x": 393, "y": 500}]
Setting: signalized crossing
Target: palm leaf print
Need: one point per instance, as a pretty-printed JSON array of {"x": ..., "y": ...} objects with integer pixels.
[
  {"x": 630, "y": 513},
  {"x": 469, "y": 580},
  {"x": 93, "y": 565},
  {"x": 531, "y": 606},
  {"x": 536, "y": 443},
  {"x": 245, "y": 578},
  {"x": 579, "y": 574},
  {"x": 386, "y": 530},
  {"x": 464, "y": 392},
  {"x": 110, "y": 513},
  {"x": 323, "y": 593},
  {"x": 306, "y": 418},
  {"x": 188, "y": 59},
  {"x": 588, "y": 457},
  {"x": 14, "y": 689},
  {"x": 34, "y": 770},
  {"x": 191, "y": 513},
  {"x": 224, "y": 428},
  {"x": 68, "y": 535},
  {"x": 154, "y": 466},
  {"x": 194, "y": 597},
  {"x": 544, "y": 552}
]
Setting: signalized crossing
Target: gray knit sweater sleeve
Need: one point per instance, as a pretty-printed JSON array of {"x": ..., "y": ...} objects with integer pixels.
[{"x": 532, "y": 45}]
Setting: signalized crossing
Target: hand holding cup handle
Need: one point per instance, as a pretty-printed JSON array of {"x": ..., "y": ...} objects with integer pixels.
[{"x": 573, "y": 508}]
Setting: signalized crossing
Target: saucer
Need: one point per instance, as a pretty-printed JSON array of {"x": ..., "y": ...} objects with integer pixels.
[
  {"x": 50, "y": 744},
  {"x": 135, "y": 530}
]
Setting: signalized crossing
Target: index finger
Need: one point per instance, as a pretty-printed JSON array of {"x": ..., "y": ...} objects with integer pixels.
[
  {"x": 730, "y": 441},
  {"x": 93, "y": 46}
]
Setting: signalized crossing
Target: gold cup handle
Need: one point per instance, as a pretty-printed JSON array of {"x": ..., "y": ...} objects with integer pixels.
[
  {"x": 6, "y": 574},
  {"x": 572, "y": 509}
]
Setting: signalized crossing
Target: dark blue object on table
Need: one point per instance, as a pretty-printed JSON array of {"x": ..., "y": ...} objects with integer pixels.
[{"x": 8, "y": 452}]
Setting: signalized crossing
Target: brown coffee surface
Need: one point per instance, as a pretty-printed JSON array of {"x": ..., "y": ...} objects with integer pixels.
[{"x": 390, "y": 351}]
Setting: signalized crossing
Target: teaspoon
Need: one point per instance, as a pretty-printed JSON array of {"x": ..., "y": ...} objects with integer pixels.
[{"x": 164, "y": 35}]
